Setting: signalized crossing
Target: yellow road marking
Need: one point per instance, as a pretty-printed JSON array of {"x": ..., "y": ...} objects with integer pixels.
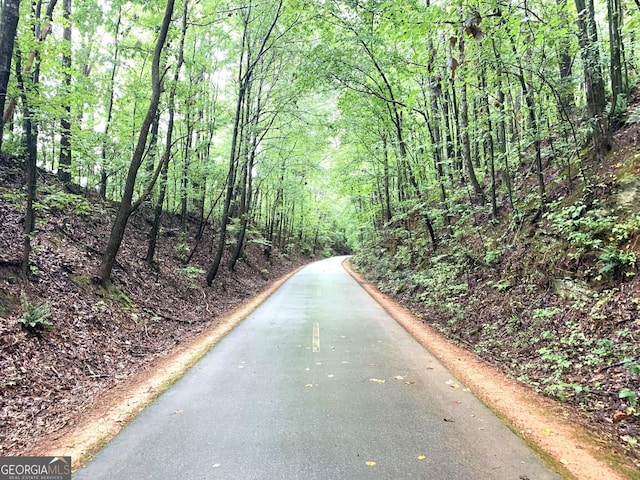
[{"x": 316, "y": 337}]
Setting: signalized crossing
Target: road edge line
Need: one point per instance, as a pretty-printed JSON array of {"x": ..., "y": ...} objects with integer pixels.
[
  {"x": 569, "y": 457},
  {"x": 118, "y": 406}
]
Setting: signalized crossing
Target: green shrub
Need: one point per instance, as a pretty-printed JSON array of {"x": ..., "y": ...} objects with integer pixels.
[{"x": 35, "y": 316}]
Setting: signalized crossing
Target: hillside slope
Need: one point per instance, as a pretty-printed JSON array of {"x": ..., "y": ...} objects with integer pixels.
[
  {"x": 552, "y": 299},
  {"x": 97, "y": 339}
]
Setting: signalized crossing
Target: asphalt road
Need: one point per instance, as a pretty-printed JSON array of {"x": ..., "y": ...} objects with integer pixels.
[{"x": 318, "y": 383}]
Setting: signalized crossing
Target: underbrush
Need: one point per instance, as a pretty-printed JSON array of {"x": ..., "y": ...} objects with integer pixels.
[{"x": 550, "y": 299}]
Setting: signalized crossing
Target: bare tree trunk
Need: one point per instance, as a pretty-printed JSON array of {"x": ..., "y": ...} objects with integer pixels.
[
  {"x": 593, "y": 76},
  {"x": 126, "y": 207},
  {"x": 157, "y": 217},
  {"x": 387, "y": 193},
  {"x": 104, "y": 173},
  {"x": 30, "y": 170},
  {"x": 614, "y": 10},
  {"x": 464, "y": 134},
  {"x": 231, "y": 176},
  {"x": 64, "y": 163},
  {"x": 247, "y": 65},
  {"x": 8, "y": 28},
  {"x": 489, "y": 144}
]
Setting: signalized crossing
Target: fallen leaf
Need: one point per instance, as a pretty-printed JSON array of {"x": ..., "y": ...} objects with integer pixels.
[
  {"x": 409, "y": 383},
  {"x": 421, "y": 457},
  {"x": 452, "y": 384},
  {"x": 330, "y": 375},
  {"x": 400, "y": 377},
  {"x": 370, "y": 463},
  {"x": 619, "y": 416},
  {"x": 309, "y": 385},
  {"x": 376, "y": 380},
  {"x": 564, "y": 462}
]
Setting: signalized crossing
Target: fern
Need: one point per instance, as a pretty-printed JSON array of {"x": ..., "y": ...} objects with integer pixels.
[
  {"x": 634, "y": 116},
  {"x": 35, "y": 316}
]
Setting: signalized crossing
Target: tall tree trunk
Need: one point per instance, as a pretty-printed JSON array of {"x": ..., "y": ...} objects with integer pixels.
[
  {"x": 184, "y": 181},
  {"x": 104, "y": 171},
  {"x": 8, "y": 28},
  {"x": 489, "y": 144},
  {"x": 614, "y": 10},
  {"x": 157, "y": 217},
  {"x": 30, "y": 170},
  {"x": 593, "y": 76},
  {"x": 231, "y": 178},
  {"x": 479, "y": 195},
  {"x": 247, "y": 65},
  {"x": 64, "y": 163},
  {"x": 565, "y": 63},
  {"x": 126, "y": 207},
  {"x": 387, "y": 194}
]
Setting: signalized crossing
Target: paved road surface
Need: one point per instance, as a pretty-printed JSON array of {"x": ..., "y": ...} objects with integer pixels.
[{"x": 318, "y": 383}]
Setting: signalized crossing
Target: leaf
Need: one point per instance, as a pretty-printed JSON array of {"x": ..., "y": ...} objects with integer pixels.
[
  {"x": 370, "y": 463},
  {"x": 376, "y": 380},
  {"x": 421, "y": 457},
  {"x": 452, "y": 384},
  {"x": 309, "y": 385},
  {"x": 400, "y": 377}
]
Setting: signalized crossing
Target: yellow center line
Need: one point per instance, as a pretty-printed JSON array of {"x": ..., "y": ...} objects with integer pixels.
[{"x": 316, "y": 337}]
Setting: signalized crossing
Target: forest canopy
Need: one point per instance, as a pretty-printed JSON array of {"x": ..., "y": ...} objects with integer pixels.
[{"x": 314, "y": 126}]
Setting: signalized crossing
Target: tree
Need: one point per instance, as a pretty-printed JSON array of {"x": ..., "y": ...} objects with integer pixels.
[
  {"x": 64, "y": 164},
  {"x": 164, "y": 161},
  {"x": 593, "y": 78},
  {"x": 8, "y": 28},
  {"x": 257, "y": 40},
  {"x": 127, "y": 206}
]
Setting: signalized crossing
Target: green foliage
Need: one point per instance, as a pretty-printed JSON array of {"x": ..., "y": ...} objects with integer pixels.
[
  {"x": 629, "y": 395},
  {"x": 191, "y": 274},
  {"x": 545, "y": 312},
  {"x": 634, "y": 116},
  {"x": 66, "y": 202},
  {"x": 182, "y": 247},
  {"x": 597, "y": 232},
  {"x": 35, "y": 316},
  {"x": 562, "y": 390}
]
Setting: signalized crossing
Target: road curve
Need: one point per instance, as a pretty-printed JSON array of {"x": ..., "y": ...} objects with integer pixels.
[{"x": 318, "y": 383}]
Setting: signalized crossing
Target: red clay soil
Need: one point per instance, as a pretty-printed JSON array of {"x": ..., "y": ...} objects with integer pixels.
[{"x": 537, "y": 419}]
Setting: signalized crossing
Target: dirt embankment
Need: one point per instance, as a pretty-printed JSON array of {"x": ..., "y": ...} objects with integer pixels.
[{"x": 100, "y": 341}]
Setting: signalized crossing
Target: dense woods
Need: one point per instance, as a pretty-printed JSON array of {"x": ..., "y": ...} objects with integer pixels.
[
  {"x": 314, "y": 125},
  {"x": 430, "y": 138}
]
